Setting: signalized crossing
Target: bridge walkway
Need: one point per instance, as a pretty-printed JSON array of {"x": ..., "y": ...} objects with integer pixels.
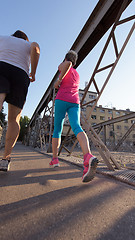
[{"x": 39, "y": 203}]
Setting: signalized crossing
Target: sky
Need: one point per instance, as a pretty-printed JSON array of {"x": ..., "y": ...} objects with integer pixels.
[{"x": 55, "y": 25}]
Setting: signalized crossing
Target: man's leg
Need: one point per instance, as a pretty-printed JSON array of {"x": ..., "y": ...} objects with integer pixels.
[
  {"x": 2, "y": 98},
  {"x": 14, "y": 114}
]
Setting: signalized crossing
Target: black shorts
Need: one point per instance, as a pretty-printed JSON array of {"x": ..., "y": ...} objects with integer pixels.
[{"x": 14, "y": 82}]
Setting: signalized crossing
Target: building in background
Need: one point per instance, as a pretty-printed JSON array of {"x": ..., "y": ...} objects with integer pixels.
[{"x": 114, "y": 132}]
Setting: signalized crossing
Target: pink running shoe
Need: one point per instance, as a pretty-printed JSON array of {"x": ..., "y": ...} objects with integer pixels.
[
  {"x": 90, "y": 165},
  {"x": 54, "y": 163}
]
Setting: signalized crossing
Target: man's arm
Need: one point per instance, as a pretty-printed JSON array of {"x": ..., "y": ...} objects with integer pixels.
[{"x": 34, "y": 53}]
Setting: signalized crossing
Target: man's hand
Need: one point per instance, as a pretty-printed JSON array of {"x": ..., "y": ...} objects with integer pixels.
[{"x": 32, "y": 77}]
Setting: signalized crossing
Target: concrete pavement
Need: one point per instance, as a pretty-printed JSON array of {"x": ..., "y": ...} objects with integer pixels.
[{"x": 39, "y": 203}]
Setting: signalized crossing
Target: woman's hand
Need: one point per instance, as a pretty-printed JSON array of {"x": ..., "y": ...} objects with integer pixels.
[
  {"x": 57, "y": 84},
  {"x": 64, "y": 67}
]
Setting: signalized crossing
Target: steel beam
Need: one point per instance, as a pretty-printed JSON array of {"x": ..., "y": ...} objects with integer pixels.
[{"x": 100, "y": 20}]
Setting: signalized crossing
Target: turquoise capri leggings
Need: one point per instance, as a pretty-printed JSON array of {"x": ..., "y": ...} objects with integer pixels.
[{"x": 73, "y": 110}]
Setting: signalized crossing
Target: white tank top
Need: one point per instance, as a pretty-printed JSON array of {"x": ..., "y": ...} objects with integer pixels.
[{"x": 15, "y": 51}]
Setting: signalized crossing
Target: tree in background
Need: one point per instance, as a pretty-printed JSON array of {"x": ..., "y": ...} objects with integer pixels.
[
  {"x": 2, "y": 116},
  {"x": 24, "y": 121}
]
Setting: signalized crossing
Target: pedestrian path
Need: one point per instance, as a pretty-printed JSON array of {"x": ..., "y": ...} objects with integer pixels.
[{"x": 40, "y": 203}]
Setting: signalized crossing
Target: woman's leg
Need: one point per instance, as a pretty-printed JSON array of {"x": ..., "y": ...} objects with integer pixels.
[
  {"x": 55, "y": 146},
  {"x": 84, "y": 142},
  {"x": 90, "y": 162},
  {"x": 14, "y": 114},
  {"x": 60, "y": 111},
  {"x": 74, "y": 118}
]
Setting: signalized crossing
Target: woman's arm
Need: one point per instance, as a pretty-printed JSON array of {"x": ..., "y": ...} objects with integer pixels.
[
  {"x": 64, "y": 67},
  {"x": 34, "y": 53}
]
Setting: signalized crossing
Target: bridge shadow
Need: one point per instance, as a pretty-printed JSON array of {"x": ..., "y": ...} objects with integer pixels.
[
  {"x": 29, "y": 176},
  {"x": 122, "y": 229},
  {"x": 70, "y": 213},
  {"x": 63, "y": 207},
  {"x": 28, "y": 167}
]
